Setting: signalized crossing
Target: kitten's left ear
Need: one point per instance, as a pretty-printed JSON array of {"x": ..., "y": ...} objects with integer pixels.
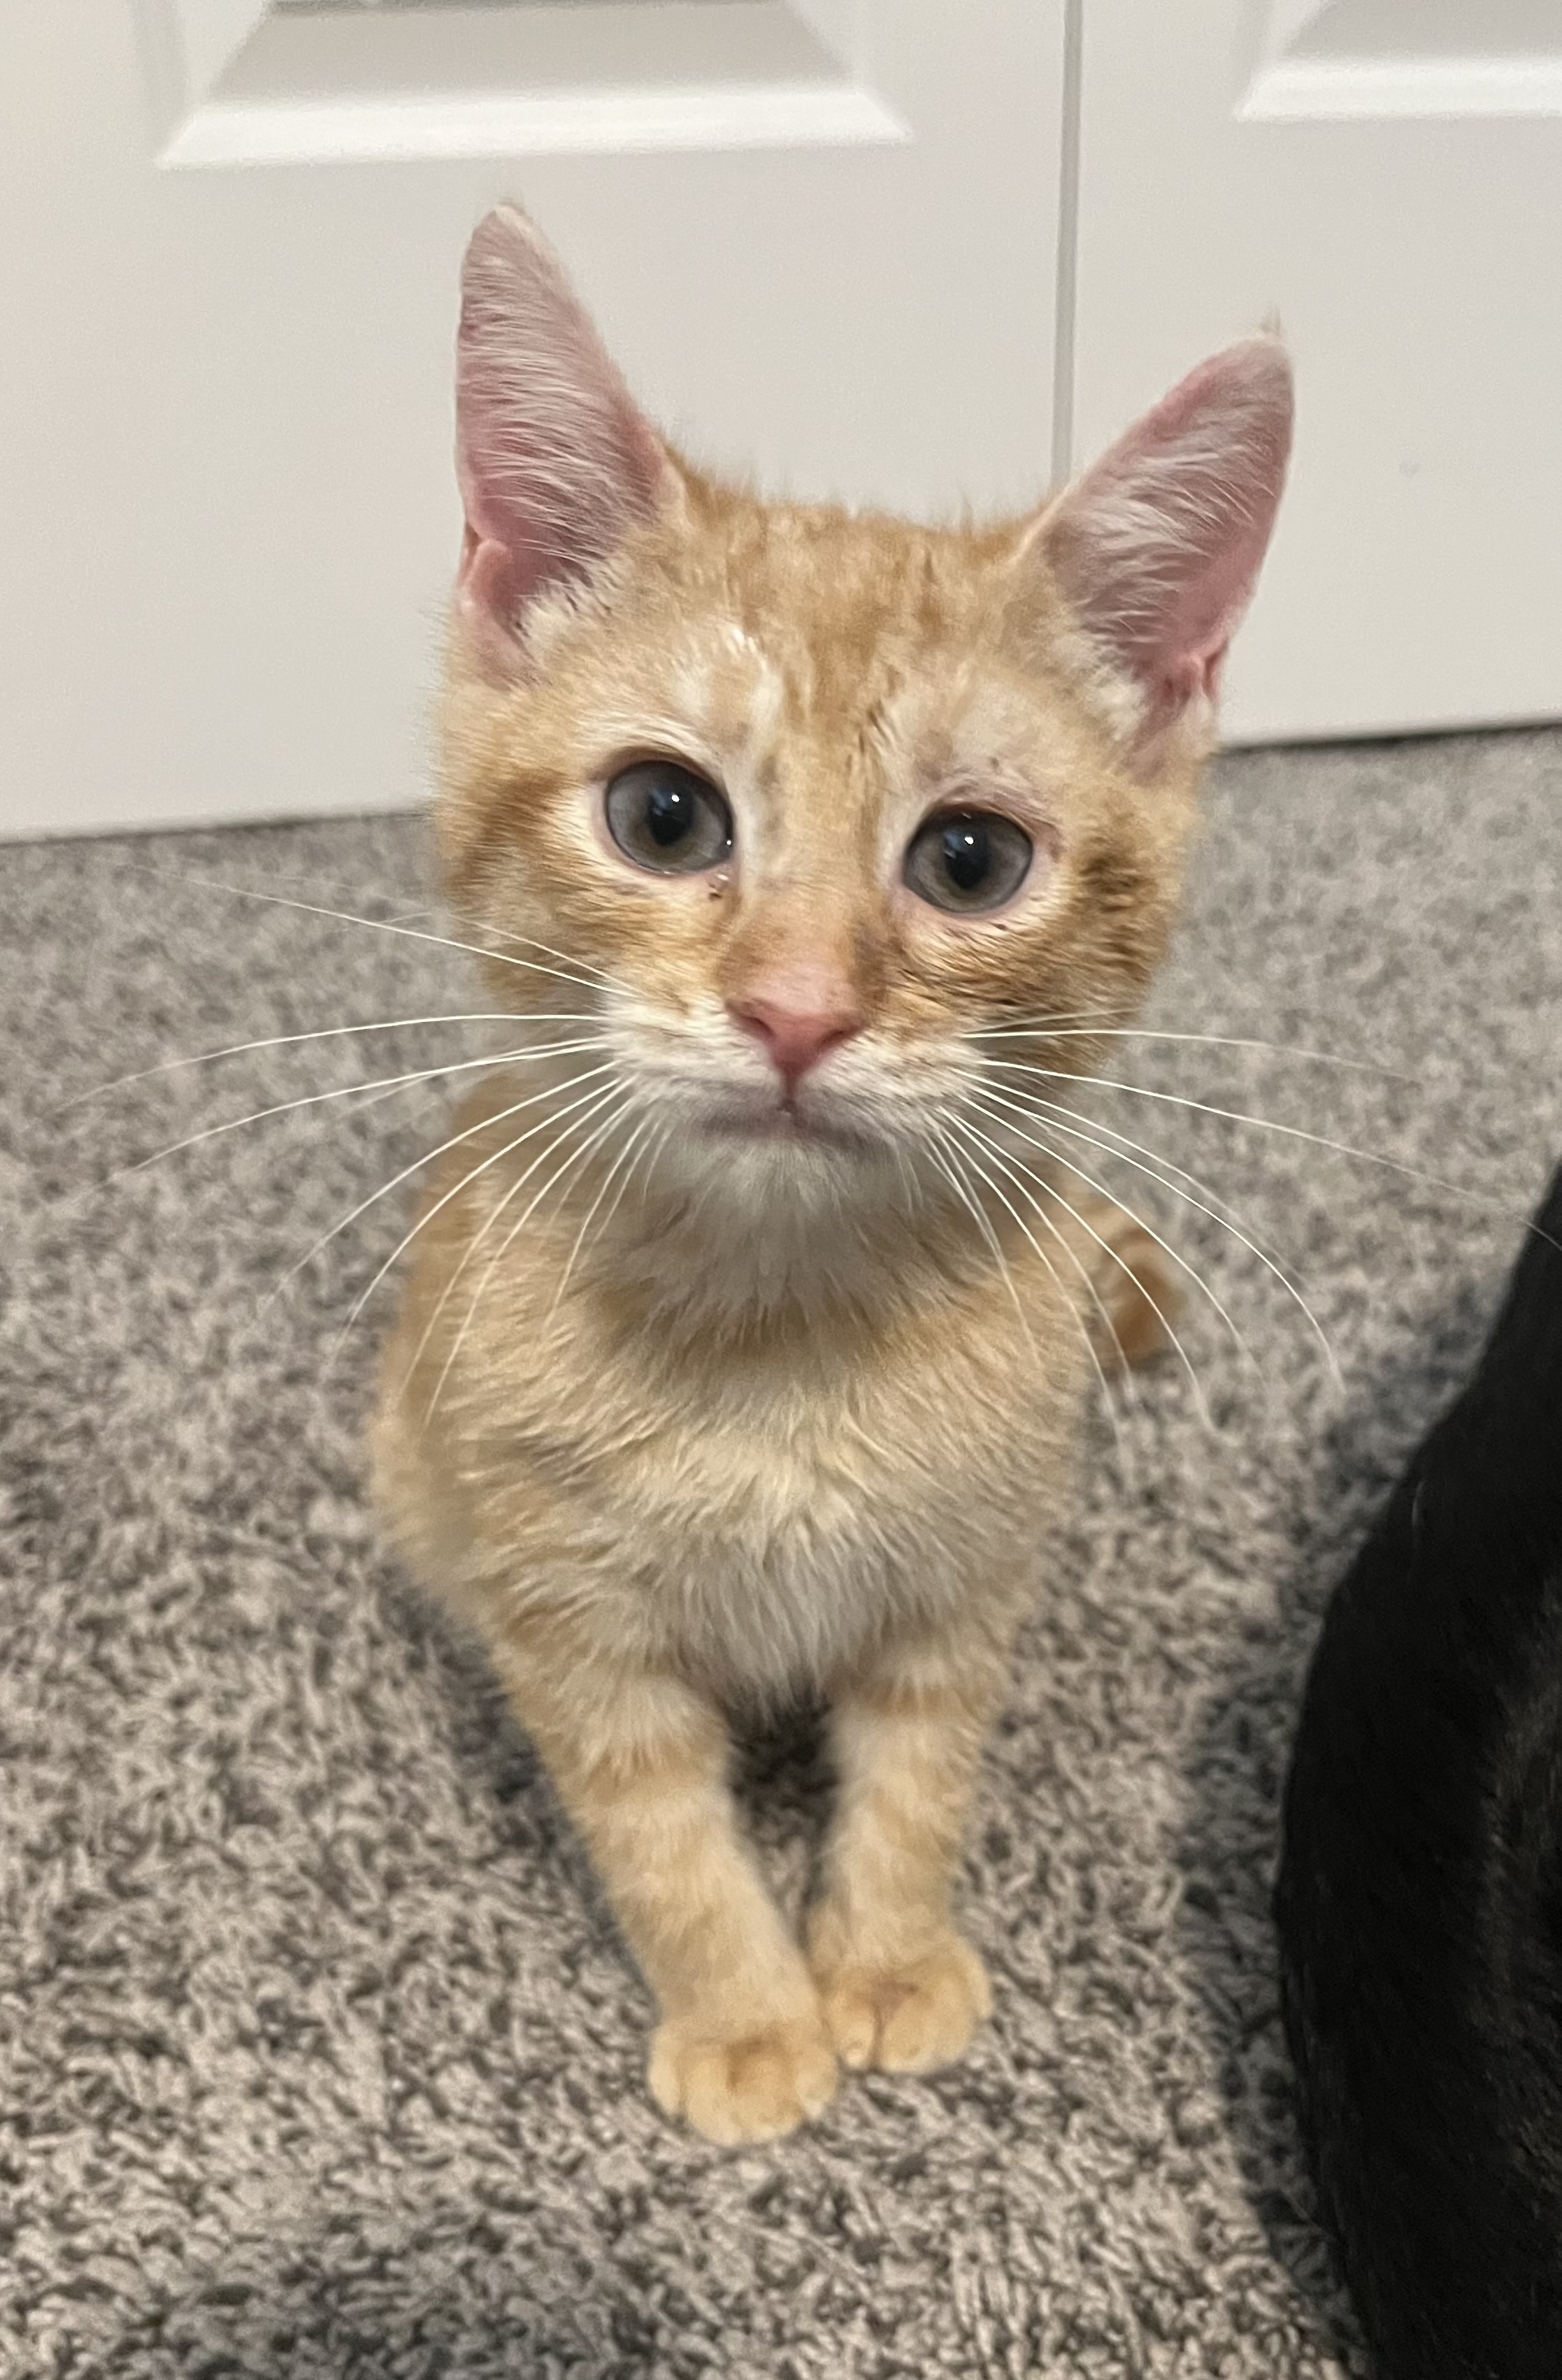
[
  {"x": 556, "y": 461},
  {"x": 1157, "y": 548}
]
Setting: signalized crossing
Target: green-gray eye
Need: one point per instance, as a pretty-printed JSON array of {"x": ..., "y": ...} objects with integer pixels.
[
  {"x": 664, "y": 818},
  {"x": 968, "y": 861}
]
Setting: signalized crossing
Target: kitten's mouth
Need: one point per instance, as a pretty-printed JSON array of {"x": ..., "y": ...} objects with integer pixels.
[{"x": 782, "y": 1122}]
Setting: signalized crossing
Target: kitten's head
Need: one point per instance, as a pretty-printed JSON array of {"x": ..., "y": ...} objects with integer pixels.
[{"x": 813, "y": 798}]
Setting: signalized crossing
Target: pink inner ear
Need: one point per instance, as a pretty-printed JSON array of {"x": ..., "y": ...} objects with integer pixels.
[
  {"x": 554, "y": 460},
  {"x": 486, "y": 579},
  {"x": 1159, "y": 545}
]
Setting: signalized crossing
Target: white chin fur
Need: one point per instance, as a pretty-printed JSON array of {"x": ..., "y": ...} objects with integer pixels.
[
  {"x": 777, "y": 1217},
  {"x": 756, "y": 1168}
]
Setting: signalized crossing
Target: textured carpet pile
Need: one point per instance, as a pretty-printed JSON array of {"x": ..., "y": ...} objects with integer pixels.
[{"x": 319, "y": 2054}]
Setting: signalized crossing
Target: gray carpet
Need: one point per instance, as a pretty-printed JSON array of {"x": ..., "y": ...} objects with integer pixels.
[{"x": 318, "y": 2054}]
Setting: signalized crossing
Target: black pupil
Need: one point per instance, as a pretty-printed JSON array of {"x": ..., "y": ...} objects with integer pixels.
[
  {"x": 968, "y": 854},
  {"x": 669, "y": 811}
]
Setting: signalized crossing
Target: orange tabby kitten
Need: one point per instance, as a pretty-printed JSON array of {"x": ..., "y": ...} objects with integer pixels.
[{"x": 734, "y": 1362}]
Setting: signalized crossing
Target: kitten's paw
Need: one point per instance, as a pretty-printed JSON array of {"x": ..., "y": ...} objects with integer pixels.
[
  {"x": 753, "y": 2086},
  {"x": 908, "y": 2017},
  {"x": 1133, "y": 1277}
]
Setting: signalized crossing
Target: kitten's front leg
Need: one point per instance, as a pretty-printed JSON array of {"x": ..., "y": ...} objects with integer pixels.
[
  {"x": 640, "y": 1763},
  {"x": 902, "y": 1989}
]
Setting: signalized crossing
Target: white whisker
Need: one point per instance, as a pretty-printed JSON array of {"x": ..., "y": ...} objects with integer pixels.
[
  {"x": 1263, "y": 1123},
  {"x": 378, "y": 926},
  {"x": 1032, "y": 1103},
  {"x": 341, "y": 1091},
  {"x": 324, "y": 1033},
  {"x": 650, "y": 1154},
  {"x": 1092, "y": 1139},
  {"x": 575, "y": 1157},
  {"x": 1199, "y": 1401},
  {"x": 945, "y": 1154},
  {"x": 1012, "y": 1167},
  {"x": 1049, "y": 1149},
  {"x": 625, "y": 1153},
  {"x": 963, "y": 1124},
  {"x": 504, "y": 934},
  {"x": 429, "y": 1157},
  {"x": 394, "y": 1090},
  {"x": 1083, "y": 1017},
  {"x": 1209, "y": 1040},
  {"x": 591, "y": 1074},
  {"x": 592, "y": 1104}
]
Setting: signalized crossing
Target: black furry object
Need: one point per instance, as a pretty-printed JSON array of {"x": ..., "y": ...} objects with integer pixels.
[{"x": 1419, "y": 1895}]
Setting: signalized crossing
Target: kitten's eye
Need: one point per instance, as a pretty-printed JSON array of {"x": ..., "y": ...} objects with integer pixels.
[
  {"x": 664, "y": 818},
  {"x": 968, "y": 859}
]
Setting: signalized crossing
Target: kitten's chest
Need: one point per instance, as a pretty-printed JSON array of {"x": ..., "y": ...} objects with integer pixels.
[{"x": 764, "y": 1517}]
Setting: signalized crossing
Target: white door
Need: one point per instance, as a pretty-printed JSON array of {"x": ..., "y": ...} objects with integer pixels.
[
  {"x": 819, "y": 236},
  {"x": 1385, "y": 176}
]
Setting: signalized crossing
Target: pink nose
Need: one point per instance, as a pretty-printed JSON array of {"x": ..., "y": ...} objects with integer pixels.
[{"x": 795, "y": 1039}]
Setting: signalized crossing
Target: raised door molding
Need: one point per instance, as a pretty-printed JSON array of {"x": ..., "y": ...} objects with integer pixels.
[
  {"x": 1321, "y": 61},
  {"x": 235, "y": 82}
]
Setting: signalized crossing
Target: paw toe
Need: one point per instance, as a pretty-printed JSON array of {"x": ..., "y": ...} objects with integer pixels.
[
  {"x": 753, "y": 2086},
  {"x": 911, "y": 2017}
]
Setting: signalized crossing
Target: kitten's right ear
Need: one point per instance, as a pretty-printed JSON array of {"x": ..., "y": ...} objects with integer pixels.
[{"x": 556, "y": 461}]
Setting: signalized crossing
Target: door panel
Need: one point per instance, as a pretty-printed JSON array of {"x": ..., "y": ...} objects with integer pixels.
[
  {"x": 1385, "y": 177},
  {"x": 822, "y": 245}
]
